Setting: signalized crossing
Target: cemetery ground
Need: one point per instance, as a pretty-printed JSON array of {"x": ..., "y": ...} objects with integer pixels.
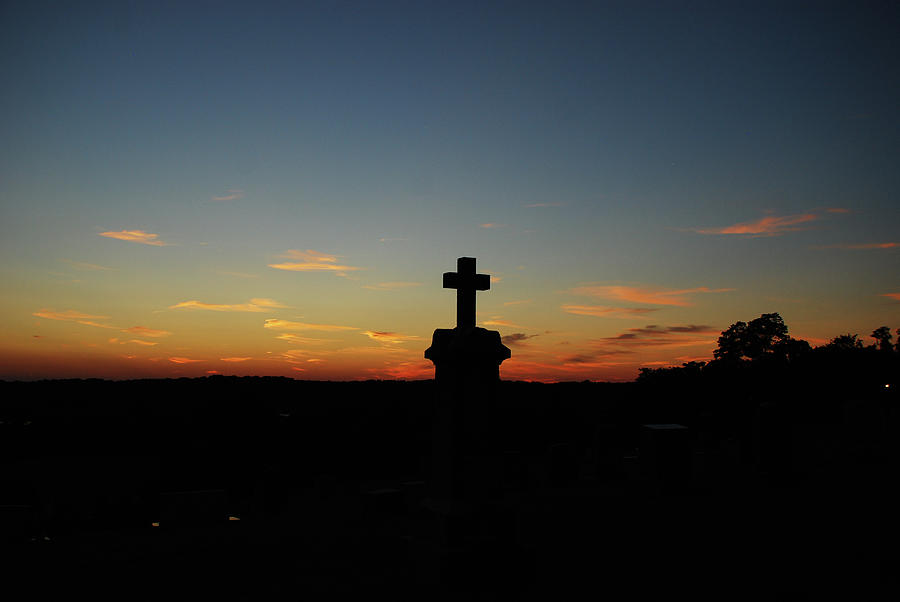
[{"x": 258, "y": 488}]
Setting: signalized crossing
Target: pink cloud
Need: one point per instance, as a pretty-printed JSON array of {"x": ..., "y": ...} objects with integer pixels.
[
  {"x": 652, "y": 296},
  {"x": 771, "y": 225},
  {"x": 139, "y": 236}
]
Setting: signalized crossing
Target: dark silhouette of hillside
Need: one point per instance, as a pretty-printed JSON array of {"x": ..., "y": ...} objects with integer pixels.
[{"x": 762, "y": 475}]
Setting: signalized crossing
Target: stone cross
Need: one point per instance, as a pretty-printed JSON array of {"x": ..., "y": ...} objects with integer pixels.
[{"x": 466, "y": 282}]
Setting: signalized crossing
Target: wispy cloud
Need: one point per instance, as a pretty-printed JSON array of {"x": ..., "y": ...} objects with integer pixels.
[
  {"x": 895, "y": 296},
  {"x": 516, "y": 338},
  {"x": 239, "y": 274},
  {"x": 89, "y": 267},
  {"x": 184, "y": 360},
  {"x": 231, "y": 195},
  {"x": 388, "y": 337},
  {"x": 312, "y": 261},
  {"x": 147, "y": 332},
  {"x": 536, "y": 205},
  {"x": 277, "y": 324},
  {"x": 255, "y": 305},
  {"x": 235, "y": 359},
  {"x": 490, "y": 225},
  {"x": 116, "y": 341},
  {"x": 70, "y": 315},
  {"x": 391, "y": 286},
  {"x": 770, "y": 225},
  {"x": 652, "y": 296},
  {"x": 296, "y": 339},
  {"x": 662, "y": 336},
  {"x": 498, "y": 322},
  {"x": 146, "y": 238},
  {"x": 603, "y": 311},
  {"x": 870, "y": 245},
  {"x": 387, "y": 239},
  {"x": 521, "y": 302},
  {"x": 837, "y": 210}
]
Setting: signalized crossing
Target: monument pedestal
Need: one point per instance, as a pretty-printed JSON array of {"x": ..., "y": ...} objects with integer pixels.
[{"x": 467, "y": 373}]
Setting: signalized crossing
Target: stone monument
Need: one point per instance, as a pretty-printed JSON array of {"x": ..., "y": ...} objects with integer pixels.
[{"x": 467, "y": 371}]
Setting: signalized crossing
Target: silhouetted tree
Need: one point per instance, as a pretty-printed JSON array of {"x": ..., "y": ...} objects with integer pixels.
[
  {"x": 882, "y": 336},
  {"x": 752, "y": 340},
  {"x": 844, "y": 342}
]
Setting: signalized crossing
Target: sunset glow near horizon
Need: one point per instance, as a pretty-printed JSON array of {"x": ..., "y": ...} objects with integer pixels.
[{"x": 269, "y": 189}]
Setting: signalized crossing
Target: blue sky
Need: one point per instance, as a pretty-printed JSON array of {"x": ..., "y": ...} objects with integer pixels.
[{"x": 562, "y": 145}]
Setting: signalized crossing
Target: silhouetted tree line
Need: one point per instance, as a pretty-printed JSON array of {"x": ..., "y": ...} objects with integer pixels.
[{"x": 759, "y": 360}]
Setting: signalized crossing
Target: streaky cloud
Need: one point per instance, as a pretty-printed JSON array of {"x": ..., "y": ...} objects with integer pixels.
[
  {"x": 72, "y": 316},
  {"x": 539, "y": 205},
  {"x": 147, "y": 332},
  {"x": 255, "y": 305},
  {"x": 277, "y": 324},
  {"x": 89, "y": 267},
  {"x": 232, "y": 195},
  {"x": 388, "y": 337},
  {"x": 516, "y": 338},
  {"x": 235, "y": 359},
  {"x": 895, "y": 296},
  {"x": 139, "y": 236},
  {"x": 862, "y": 246},
  {"x": 184, "y": 360},
  {"x": 770, "y": 225},
  {"x": 391, "y": 286},
  {"x": 602, "y": 311},
  {"x": 312, "y": 261},
  {"x": 652, "y": 296}
]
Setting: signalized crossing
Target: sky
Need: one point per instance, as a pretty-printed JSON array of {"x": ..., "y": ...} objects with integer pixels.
[{"x": 275, "y": 188}]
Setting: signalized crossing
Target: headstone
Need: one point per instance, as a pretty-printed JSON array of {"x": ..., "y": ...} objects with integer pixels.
[
  {"x": 467, "y": 371},
  {"x": 189, "y": 509},
  {"x": 665, "y": 457},
  {"x": 467, "y": 471}
]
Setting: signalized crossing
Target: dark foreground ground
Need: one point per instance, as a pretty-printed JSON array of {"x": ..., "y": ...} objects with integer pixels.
[{"x": 269, "y": 488}]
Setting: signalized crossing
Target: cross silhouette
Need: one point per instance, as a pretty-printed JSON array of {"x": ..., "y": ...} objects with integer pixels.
[{"x": 466, "y": 282}]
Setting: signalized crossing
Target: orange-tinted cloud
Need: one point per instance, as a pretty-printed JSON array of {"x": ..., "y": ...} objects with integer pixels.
[
  {"x": 140, "y": 236},
  {"x": 293, "y": 338},
  {"x": 143, "y": 331},
  {"x": 72, "y": 316},
  {"x": 277, "y": 324},
  {"x": 232, "y": 195},
  {"x": 892, "y": 296},
  {"x": 184, "y": 360},
  {"x": 491, "y": 225},
  {"x": 498, "y": 322},
  {"x": 390, "y": 286},
  {"x": 607, "y": 312},
  {"x": 312, "y": 261},
  {"x": 652, "y": 296},
  {"x": 771, "y": 225},
  {"x": 871, "y": 245},
  {"x": 235, "y": 359},
  {"x": 388, "y": 337},
  {"x": 255, "y": 305}
]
